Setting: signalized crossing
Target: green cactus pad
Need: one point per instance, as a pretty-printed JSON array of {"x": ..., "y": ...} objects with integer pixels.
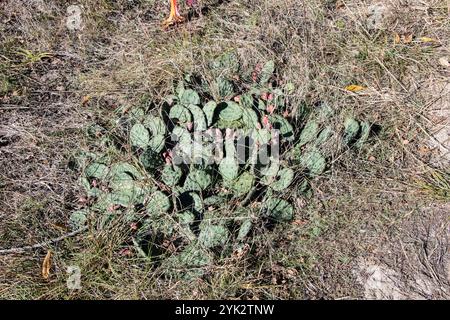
[
  {"x": 289, "y": 88},
  {"x": 183, "y": 139},
  {"x": 279, "y": 210},
  {"x": 158, "y": 203},
  {"x": 157, "y": 222},
  {"x": 150, "y": 160},
  {"x": 125, "y": 167},
  {"x": 225, "y": 87},
  {"x": 309, "y": 133},
  {"x": 181, "y": 113},
  {"x": 156, "y": 125},
  {"x": 84, "y": 182},
  {"x": 78, "y": 219},
  {"x": 223, "y": 124},
  {"x": 185, "y": 218},
  {"x": 283, "y": 179},
  {"x": 262, "y": 136},
  {"x": 171, "y": 175},
  {"x": 94, "y": 192},
  {"x": 244, "y": 229},
  {"x": 157, "y": 143},
  {"x": 262, "y": 105},
  {"x": 130, "y": 193},
  {"x": 180, "y": 88},
  {"x": 139, "y": 136},
  {"x": 209, "y": 110},
  {"x": 125, "y": 198},
  {"x": 194, "y": 256},
  {"x": 227, "y": 62},
  {"x": 243, "y": 184},
  {"x": 188, "y": 97},
  {"x": 314, "y": 161},
  {"x": 185, "y": 221},
  {"x": 118, "y": 179},
  {"x": 214, "y": 200},
  {"x": 303, "y": 188},
  {"x": 279, "y": 100},
  {"x": 286, "y": 129},
  {"x": 269, "y": 172},
  {"x": 364, "y": 135},
  {"x": 246, "y": 101},
  {"x": 249, "y": 118},
  {"x": 197, "y": 180},
  {"x": 267, "y": 72},
  {"x": 231, "y": 112},
  {"x": 229, "y": 168},
  {"x": 351, "y": 129},
  {"x": 96, "y": 171},
  {"x": 212, "y": 235},
  {"x": 324, "y": 136},
  {"x": 200, "y": 123},
  {"x": 182, "y": 135},
  {"x": 196, "y": 201}
]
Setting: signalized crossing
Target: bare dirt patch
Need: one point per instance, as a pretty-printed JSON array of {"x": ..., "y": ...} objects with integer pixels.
[{"x": 416, "y": 262}]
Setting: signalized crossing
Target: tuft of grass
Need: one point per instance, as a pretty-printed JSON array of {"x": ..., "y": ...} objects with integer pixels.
[{"x": 437, "y": 184}]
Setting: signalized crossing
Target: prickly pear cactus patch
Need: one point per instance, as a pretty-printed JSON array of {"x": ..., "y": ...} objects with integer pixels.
[{"x": 189, "y": 170}]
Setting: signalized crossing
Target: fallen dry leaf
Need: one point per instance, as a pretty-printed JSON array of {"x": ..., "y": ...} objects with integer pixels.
[
  {"x": 299, "y": 222},
  {"x": 85, "y": 100},
  {"x": 396, "y": 38},
  {"x": 46, "y": 265},
  {"x": 339, "y": 4},
  {"x": 407, "y": 38},
  {"x": 427, "y": 39},
  {"x": 423, "y": 150},
  {"x": 354, "y": 88}
]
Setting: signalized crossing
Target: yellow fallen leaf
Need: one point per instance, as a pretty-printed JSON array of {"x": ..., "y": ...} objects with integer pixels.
[
  {"x": 427, "y": 39},
  {"x": 354, "y": 88},
  {"x": 46, "y": 265}
]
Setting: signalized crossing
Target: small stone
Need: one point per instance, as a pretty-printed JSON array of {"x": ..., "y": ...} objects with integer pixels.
[{"x": 443, "y": 61}]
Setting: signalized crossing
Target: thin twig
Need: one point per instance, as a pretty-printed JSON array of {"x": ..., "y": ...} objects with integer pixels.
[{"x": 42, "y": 244}]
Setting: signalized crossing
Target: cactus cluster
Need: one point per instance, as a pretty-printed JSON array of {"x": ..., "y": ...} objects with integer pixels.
[{"x": 176, "y": 185}]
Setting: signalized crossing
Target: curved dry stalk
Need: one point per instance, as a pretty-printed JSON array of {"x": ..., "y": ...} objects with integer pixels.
[{"x": 42, "y": 244}]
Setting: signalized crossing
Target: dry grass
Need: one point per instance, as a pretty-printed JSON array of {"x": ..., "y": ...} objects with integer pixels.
[{"x": 371, "y": 200}]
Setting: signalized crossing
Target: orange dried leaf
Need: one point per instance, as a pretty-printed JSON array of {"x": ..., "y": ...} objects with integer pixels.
[
  {"x": 354, "y": 88},
  {"x": 299, "y": 222},
  {"x": 396, "y": 38},
  {"x": 407, "y": 38},
  {"x": 85, "y": 100},
  {"x": 46, "y": 265},
  {"x": 424, "y": 150}
]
